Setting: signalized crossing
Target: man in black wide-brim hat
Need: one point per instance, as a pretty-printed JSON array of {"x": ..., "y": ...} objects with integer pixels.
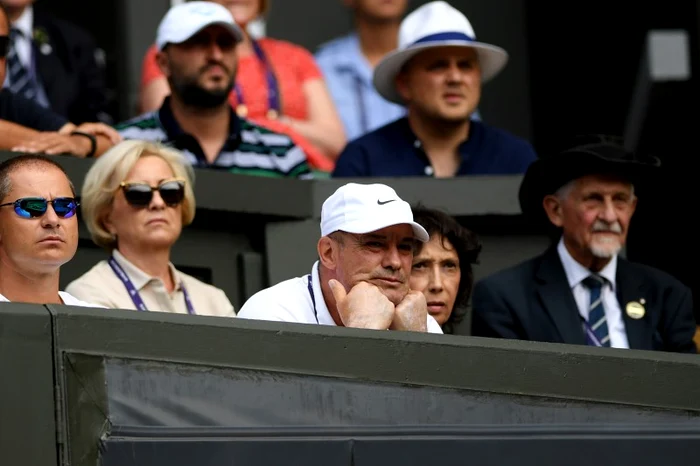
[{"x": 580, "y": 291}]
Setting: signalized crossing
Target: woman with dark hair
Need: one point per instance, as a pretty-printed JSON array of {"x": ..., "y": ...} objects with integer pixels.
[{"x": 442, "y": 267}]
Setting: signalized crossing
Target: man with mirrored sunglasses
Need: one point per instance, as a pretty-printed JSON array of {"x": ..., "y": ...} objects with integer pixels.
[{"x": 38, "y": 230}]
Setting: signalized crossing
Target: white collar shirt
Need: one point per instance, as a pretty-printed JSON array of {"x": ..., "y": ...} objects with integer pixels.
[
  {"x": 575, "y": 274},
  {"x": 67, "y": 298},
  {"x": 23, "y": 44},
  {"x": 292, "y": 301}
]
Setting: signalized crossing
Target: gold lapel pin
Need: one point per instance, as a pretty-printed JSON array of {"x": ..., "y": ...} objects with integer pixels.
[{"x": 635, "y": 309}]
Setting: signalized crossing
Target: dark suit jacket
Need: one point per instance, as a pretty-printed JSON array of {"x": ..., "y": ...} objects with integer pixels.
[
  {"x": 70, "y": 74},
  {"x": 533, "y": 301}
]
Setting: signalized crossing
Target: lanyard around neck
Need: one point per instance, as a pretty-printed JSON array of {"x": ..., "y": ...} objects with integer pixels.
[
  {"x": 133, "y": 292},
  {"x": 313, "y": 298},
  {"x": 274, "y": 106}
]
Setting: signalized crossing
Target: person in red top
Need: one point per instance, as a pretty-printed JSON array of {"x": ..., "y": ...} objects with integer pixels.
[{"x": 278, "y": 85}]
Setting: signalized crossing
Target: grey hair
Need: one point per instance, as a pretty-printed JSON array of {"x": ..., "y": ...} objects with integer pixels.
[{"x": 563, "y": 192}]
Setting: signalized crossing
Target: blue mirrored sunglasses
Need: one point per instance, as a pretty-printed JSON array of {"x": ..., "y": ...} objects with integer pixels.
[{"x": 31, "y": 207}]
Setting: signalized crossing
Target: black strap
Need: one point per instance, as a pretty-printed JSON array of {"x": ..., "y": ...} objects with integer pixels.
[
  {"x": 313, "y": 299},
  {"x": 93, "y": 141}
]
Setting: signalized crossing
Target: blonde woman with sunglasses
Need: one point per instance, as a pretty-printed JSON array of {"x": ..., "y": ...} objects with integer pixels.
[{"x": 136, "y": 198}]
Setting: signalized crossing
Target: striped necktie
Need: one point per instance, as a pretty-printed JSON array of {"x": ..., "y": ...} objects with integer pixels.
[
  {"x": 597, "y": 326},
  {"x": 21, "y": 82}
]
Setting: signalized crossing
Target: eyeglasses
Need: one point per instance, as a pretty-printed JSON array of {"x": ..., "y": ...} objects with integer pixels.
[
  {"x": 140, "y": 194},
  {"x": 225, "y": 41},
  {"x": 32, "y": 207},
  {"x": 4, "y": 46}
]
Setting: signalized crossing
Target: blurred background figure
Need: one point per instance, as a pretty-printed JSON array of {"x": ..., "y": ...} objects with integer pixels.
[
  {"x": 196, "y": 45},
  {"x": 55, "y": 64},
  {"x": 442, "y": 267},
  {"x": 26, "y": 126},
  {"x": 437, "y": 72},
  {"x": 348, "y": 62},
  {"x": 136, "y": 199},
  {"x": 278, "y": 85}
]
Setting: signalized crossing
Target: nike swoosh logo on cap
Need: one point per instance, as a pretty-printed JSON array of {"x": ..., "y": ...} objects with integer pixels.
[{"x": 385, "y": 202}]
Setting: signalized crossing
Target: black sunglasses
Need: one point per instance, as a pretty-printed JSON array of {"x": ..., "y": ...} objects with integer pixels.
[
  {"x": 4, "y": 46},
  {"x": 32, "y": 207},
  {"x": 224, "y": 40},
  {"x": 140, "y": 194}
]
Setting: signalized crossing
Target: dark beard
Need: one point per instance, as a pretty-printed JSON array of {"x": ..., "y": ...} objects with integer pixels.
[{"x": 193, "y": 95}]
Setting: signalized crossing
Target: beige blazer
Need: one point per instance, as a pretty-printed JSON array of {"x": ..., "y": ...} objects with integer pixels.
[{"x": 100, "y": 285}]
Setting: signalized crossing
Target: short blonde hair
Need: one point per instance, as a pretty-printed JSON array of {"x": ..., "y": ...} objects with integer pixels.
[{"x": 108, "y": 171}]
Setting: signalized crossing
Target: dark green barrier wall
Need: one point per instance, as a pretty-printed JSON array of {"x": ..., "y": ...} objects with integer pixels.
[
  {"x": 27, "y": 422},
  {"x": 57, "y": 366}
]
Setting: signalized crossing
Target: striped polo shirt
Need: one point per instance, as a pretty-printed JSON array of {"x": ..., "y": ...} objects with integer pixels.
[{"x": 250, "y": 149}]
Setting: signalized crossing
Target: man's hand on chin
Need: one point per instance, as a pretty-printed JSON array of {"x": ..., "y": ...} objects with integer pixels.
[
  {"x": 411, "y": 314},
  {"x": 365, "y": 306}
]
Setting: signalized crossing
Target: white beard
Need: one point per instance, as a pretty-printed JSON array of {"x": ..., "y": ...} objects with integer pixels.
[{"x": 605, "y": 247}]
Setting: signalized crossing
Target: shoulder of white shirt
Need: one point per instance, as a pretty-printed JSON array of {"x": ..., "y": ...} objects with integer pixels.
[{"x": 68, "y": 300}]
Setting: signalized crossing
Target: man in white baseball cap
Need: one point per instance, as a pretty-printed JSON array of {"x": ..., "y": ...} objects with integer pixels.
[
  {"x": 437, "y": 72},
  {"x": 361, "y": 279},
  {"x": 184, "y": 21},
  {"x": 197, "y": 44}
]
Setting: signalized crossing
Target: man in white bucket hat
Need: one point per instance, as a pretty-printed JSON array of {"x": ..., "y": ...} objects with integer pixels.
[
  {"x": 361, "y": 279},
  {"x": 436, "y": 72}
]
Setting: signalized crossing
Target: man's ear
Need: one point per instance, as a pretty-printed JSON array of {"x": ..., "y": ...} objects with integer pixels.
[
  {"x": 163, "y": 63},
  {"x": 553, "y": 208},
  {"x": 402, "y": 87},
  {"x": 326, "y": 252}
]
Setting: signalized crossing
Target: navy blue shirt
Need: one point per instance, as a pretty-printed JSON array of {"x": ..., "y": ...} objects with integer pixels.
[
  {"x": 22, "y": 111},
  {"x": 394, "y": 150}
]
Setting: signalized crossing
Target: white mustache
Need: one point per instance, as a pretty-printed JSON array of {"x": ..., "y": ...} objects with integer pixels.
[{"x": 599, "y": 225}]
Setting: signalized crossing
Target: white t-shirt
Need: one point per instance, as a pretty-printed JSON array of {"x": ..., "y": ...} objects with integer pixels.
[
  {"x": 67, "y": 299},
  {"x": 292, "y": 301}
]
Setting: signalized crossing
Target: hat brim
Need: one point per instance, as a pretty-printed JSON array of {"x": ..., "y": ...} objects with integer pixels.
[
  {"x": 235, "y": 31},
  {"x": 364, "y": 227},
  {"x": 492, "y": 60},
  {"x": 545, "y": 176}
]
